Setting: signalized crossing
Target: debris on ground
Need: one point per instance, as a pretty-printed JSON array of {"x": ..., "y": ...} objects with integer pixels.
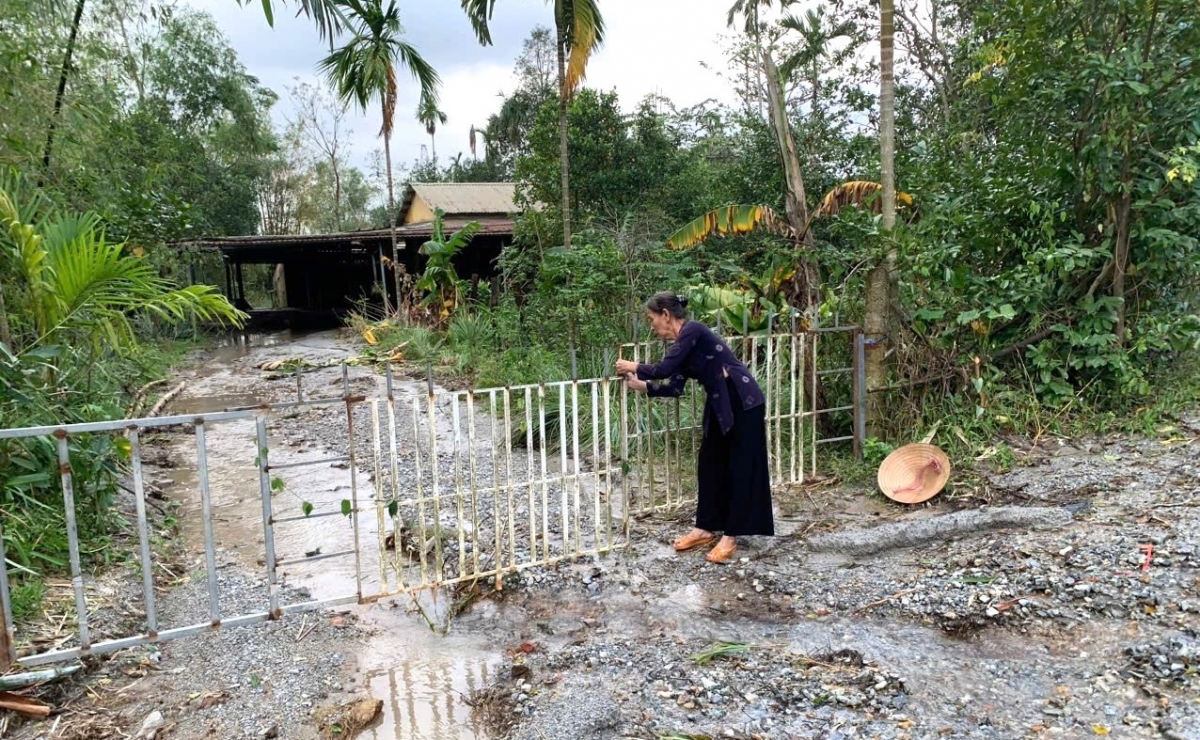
[
  {"x": 23, "y": 705},
  {"x": 346, "y": 720}
]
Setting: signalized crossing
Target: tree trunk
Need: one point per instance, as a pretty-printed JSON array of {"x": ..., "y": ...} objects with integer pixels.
[
  {"x": 337, "y": 192},
  {"x": 5, "y": 332},
  {"x": 387, "y": 155},
  {"x": 62, "y": 87},
  {"x": 816, "y": 90},
  {"x": 279, "y": 283},
  {"x": 882, "y": 278},
  {"x": 563, "y": 153},
  {"x": 1121, "y": 257},
  {"x": 887, "y": 114},
  {"x": 805, "y": 287},
  {"x": 807, "y": 278}
]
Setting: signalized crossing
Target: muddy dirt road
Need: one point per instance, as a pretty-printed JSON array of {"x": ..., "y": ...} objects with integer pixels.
[{"x": 1082, "y": 630}]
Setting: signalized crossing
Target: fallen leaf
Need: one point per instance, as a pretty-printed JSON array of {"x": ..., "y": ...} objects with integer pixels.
[{"x": 1100, "y": 729}]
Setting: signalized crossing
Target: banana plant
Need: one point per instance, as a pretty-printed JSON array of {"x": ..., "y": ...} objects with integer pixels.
[
  {"x": 737, "y": 220},
  {"x": 732, "y": 220},
  {"x": 439, "y": 279},
  {"x": 750, "y": 305}
]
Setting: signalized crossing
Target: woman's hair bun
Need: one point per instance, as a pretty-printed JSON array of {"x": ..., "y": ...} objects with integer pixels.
[{"x": 682, "y": 300}]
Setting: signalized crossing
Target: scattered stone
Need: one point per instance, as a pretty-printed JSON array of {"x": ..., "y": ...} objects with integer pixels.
[{"x": 151, "y": 725}]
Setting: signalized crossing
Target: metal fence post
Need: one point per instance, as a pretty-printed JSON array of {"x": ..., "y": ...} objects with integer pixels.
[
  {"x": 68, "y": 491},
  {"x": 7, "y": 651},
  {"x": 859, "y": 387},
  {"x": 268, "y": 516}
]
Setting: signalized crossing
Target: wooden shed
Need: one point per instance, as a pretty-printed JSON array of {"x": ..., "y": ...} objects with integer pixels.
[{"x": 319, "y": 277}]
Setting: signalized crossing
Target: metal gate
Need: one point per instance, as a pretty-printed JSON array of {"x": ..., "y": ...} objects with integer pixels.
[{"x": 441, "y": 487}]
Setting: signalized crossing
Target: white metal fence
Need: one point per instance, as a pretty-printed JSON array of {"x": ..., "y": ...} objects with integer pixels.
[{"x": 448, "y": 487}]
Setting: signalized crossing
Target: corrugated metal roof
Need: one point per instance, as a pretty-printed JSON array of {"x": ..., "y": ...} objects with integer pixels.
[
  {"x": 467, "y": 198},
  {"x": 346, "y": 240}
]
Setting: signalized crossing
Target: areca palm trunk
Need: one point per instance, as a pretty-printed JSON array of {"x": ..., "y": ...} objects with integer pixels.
[
  {"x": 387, "y": 155},
  {"x": 564, "y": 153},
  {"x": 880, "y": 284}
]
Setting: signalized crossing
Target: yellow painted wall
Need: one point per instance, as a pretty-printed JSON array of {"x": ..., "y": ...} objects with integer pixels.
[{"x": 419, "y": 211}]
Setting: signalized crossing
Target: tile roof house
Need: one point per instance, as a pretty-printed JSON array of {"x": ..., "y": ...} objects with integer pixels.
[{"x": 461, "y": 201}]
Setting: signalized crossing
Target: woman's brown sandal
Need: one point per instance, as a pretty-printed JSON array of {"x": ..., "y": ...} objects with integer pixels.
[
  {"x": 721, "y": 553},
  {"x": 690, "y": 541}
]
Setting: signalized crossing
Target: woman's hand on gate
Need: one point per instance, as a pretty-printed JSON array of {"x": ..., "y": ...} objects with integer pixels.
[
  {"x": 632, "y": 382},
  {"x": 625, "y": 367}
]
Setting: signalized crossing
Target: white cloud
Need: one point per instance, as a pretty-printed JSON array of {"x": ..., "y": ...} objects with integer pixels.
[{"x": 659, "y": 47}]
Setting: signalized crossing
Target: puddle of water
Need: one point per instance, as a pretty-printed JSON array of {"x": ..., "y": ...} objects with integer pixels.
[
  {"x": 209, "y": 404},
  {"x": 422, "y": 679},
  {"x": 239, "y": 344}
]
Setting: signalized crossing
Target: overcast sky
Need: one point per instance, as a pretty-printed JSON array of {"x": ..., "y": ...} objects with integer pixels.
[{"x": 651, "y": 46}]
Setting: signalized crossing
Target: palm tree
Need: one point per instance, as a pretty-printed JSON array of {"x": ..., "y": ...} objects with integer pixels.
[
  {"x": 75, "y": 288},
  {"x": 817, "y": 31},
  {"x": 326, "y": 15},
  {"x": 579, "y": 32},
  {"x": 879, "y": 283},
  {"x": 473, "y": 140},
  {"x": 430, "y": 117},
  {"x": 365, "y": 69}
]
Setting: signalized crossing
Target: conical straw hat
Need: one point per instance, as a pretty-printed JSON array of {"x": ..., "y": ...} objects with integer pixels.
[{"x": 914, "y": 473}]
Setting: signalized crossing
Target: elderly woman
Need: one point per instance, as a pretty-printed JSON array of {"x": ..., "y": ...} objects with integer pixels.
[{"x": 731, "y": 470}]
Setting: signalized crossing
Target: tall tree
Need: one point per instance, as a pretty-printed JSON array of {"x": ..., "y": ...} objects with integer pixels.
[
  {"x": 507, "y": 131},
  {"x": 579, "y": 30},
  {"x": 579, "y": 33},
  {"x": 806, "y": 280},
  {"x": 281, "y": 203},
  {"x": 880, "y": 292},
  {"x": 430, "y": 117},
  {"x": 365, "y": 69},
  {"x": 321, "y": 120},
  {"x": 65, "y": 72},
  {"x": 817, "y": 31}
]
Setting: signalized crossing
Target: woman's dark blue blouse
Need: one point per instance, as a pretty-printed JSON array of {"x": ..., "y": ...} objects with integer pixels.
[{"x": 701, "y": 355}]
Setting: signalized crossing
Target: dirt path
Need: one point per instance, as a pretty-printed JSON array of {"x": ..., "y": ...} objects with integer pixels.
[
  {"x": 390, "y": 654},
  {"x": 1071, "y": 631}
]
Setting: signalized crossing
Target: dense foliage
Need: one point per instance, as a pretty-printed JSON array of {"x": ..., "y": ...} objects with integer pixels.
[
  {"x": 125, "y": 126},
  {"x": 1051, "y": 152}
]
